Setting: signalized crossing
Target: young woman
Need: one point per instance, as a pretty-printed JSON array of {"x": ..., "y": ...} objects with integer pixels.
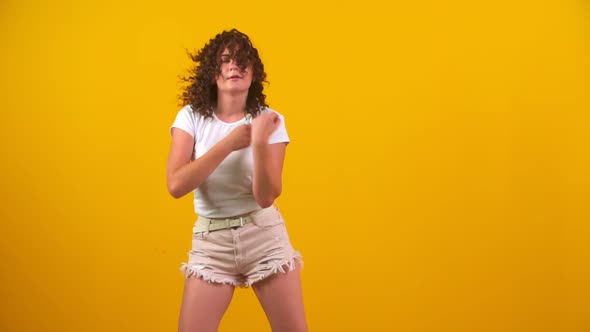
[{"x": 228, "y": 147}]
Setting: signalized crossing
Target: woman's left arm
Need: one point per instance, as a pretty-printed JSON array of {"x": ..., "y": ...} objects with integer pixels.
[{"x": 268, "y": 160}]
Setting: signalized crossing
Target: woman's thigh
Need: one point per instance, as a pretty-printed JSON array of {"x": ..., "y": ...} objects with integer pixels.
[
  {"x": 282, "y": 300},
  {"x": 203, "y": 305}
]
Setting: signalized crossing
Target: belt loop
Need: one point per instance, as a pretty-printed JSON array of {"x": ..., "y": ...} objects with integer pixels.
[{"x": 241, "y": 221}]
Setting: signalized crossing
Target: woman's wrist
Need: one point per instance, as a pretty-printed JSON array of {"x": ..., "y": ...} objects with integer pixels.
[
  {"x": 259, "y": 143},
  {"x": 226, "y": 146}
]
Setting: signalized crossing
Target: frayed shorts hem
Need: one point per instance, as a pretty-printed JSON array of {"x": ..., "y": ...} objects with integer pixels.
[{"x": 200, "y": 272}]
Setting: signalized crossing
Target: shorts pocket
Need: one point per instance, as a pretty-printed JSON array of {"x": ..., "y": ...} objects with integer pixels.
[{"x": 200, "y": 235}]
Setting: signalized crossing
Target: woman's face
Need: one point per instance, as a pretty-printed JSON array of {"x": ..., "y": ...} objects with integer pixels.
[{"x": 232, "y": 78}]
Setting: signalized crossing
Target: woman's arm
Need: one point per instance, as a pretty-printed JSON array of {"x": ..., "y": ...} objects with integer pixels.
[
  {"x": 268, "y": 160},
  {"x": 184, "y": 175},
  {"x": 268, "y": 168}
]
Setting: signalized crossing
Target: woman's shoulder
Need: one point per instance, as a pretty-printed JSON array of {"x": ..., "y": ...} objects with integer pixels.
[
  {"x": 268, "y": 110},
  {"x": 188, "y": 111}
]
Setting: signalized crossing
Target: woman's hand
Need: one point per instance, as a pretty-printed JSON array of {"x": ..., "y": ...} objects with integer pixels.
[
  {"x": 239, "y": 138},
  {"x": 263, "y": 126}
]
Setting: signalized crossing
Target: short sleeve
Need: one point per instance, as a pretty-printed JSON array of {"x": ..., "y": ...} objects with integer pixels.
[
  {"x": 185, "y": 120},
  {"x": 280, "y": 134}
]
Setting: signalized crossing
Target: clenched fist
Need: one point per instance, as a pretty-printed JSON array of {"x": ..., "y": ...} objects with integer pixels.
[
  {"x": 239, "y": 138},
  {"x": 263, "y": 126}
]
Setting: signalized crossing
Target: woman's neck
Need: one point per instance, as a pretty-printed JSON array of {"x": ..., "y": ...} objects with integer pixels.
[{"x": 231, "y": 106}]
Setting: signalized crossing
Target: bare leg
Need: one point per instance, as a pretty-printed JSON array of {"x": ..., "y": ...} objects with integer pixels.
[
  {"x": 203, "y": 305},
  {"x": 282, "y": 300}
]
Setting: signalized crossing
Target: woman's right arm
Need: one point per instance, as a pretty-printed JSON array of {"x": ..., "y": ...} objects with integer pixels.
[{"x": 184, "y": 175}]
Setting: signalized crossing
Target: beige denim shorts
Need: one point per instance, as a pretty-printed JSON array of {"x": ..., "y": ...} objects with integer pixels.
[{"x": 241, "y": 256}]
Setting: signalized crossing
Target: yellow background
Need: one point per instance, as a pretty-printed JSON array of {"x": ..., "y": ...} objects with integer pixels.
[{"x": 438, "y": 177}]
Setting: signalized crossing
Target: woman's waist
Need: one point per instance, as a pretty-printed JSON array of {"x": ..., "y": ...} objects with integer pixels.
[
  {"x": 258, "y": 211},
  {"x": 225, "y": 208}
]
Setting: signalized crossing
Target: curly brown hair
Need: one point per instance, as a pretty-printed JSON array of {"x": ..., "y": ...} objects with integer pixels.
[{"x": 201, "y": 92}]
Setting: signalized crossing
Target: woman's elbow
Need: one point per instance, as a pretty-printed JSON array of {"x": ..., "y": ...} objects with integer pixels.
[
  {"x": 265, "y": 201},
  {"x": 174, "y": 193},
  {"x": 174, "y": 190}
]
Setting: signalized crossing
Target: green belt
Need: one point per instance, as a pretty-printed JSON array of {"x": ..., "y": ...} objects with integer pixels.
[{"x": 208, "y": 225}]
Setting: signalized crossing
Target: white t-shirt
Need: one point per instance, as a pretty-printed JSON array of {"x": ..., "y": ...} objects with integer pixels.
[{"x": 227, "y": 191}]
